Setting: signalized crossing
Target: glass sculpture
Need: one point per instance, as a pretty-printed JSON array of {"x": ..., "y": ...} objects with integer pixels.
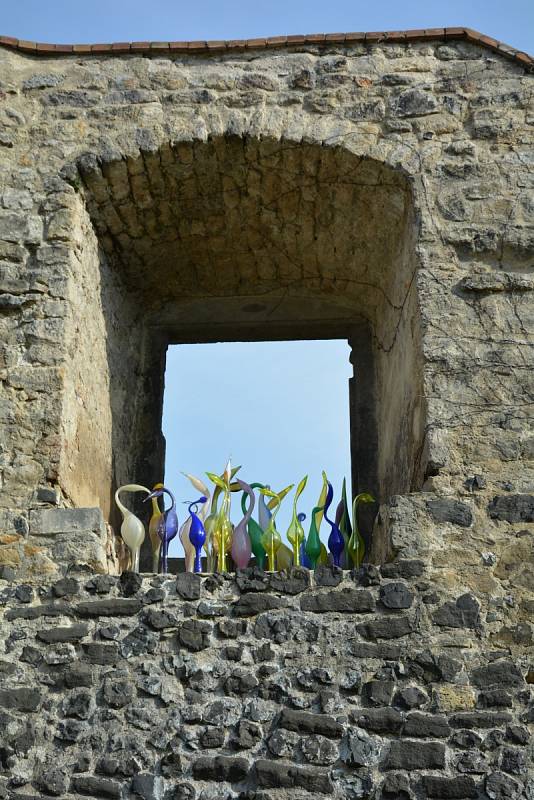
[
  {"x": 343, "y": 522},
  {"x": 356, "y": 546},
  {"x": 132, "y": 529},
  {"x": 241, "y": 546},
  {"x": 313, "y": 542},
  {"x": 254, "y": 530},
  {"x": 336, "y": 543},
  {"x": 222, "y": 530},
  {"x": 312, "y": 546},
  {"x": 197, "y": 534},
  {"x": 295, "y": 532},
  {"x": 168, "y": 530},
  {"x": 189, "y": 550},
  {"x": 153, "y": 529},
  {"x": 271, "y": 539}
]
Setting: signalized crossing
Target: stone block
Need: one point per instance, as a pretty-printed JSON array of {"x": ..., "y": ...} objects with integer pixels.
[
  {"x": 512, "y": 508},
  {"x": 305, "y": 722},
  {"x": 221, "y": 768},
  {"x": 453, "y": 511},
  {"x": 51, "y": 521},
  {"x": 415, "y": 755},
  {"x": 72, "y": 536},
  {"x": 345, "y": 601},
  {"x": 276, "y": 775},
  {"x": 458, "y": 788},
  {"x": 249, "y": 605},
  {"x": 113, "y": 607},
  {"x": 396, "y": 595}
]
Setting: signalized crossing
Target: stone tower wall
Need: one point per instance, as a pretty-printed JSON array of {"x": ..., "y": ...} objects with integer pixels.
[
  {"x": 262, "y": 687},
  {"x": 380, "y": 191},
  {"x": 382, "y": 185}
]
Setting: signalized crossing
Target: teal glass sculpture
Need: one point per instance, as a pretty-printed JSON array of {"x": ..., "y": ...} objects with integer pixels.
[{"x": 255, "y": 531}]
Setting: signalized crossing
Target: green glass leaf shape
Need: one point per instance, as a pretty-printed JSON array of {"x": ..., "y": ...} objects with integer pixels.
[
  {"x": 219, "y": 482},
  {"x": 321, "y": 501},
  {"x": 271, "y": 504},
  {"x": 356, "y": 545}
]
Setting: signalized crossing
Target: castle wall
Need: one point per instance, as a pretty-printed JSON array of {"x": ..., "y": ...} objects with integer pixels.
[
  {"x": 381, "y": 187},
  {"x": 379, "y": 685},
  {"x": 127, "y": 183}
]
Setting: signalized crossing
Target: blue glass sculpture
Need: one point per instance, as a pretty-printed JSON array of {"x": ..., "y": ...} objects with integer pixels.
[
  {"x": 197, "y": 534},
  {"x": 336, "y": 544}
]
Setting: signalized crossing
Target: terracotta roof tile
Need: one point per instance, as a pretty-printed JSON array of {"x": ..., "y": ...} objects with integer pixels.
[{"x": 422, "y": 34}]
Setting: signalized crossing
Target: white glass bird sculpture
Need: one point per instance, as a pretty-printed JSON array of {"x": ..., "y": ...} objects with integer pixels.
[{"x": 132, "y": 529}]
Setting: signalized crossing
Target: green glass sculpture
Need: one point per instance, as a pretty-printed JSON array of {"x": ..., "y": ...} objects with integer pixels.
[
  {"x": 295, "y": 532},
  {"x": 344, "y": 525},
  {"x": 356, "y": 546},
  {"x": 313, "y": 542},
  {"x": 255, "y": 532},
  {"x": 312, "y": 548}
]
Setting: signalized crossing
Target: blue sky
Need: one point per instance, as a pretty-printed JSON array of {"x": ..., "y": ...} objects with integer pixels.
[
  {"x": 125, "y": 20},
  {"x": 279, "y": 409}
]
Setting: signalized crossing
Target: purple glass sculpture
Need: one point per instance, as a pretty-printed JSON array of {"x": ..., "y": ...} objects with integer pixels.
[
  {"x": 167, "y": 526},
  {"x": 336, "y": 543},
  {"x": 197, "y": 534},
  {"x": 241, "y": 544}
]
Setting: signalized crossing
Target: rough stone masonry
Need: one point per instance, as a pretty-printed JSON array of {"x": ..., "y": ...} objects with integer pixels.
[{"x": 377, "y": 187}]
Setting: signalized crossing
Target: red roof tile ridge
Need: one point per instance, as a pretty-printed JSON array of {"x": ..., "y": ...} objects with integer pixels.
[{"x": 269, "y": 42}]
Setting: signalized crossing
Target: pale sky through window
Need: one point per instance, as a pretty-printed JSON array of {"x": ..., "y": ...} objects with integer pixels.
[{"x": 280, "y": 409}]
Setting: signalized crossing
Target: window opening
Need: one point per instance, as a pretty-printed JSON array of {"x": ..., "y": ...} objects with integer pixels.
[{"x": 278, "y": 409}]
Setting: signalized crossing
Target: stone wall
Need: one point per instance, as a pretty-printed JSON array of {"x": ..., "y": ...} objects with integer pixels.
[
  {"x": 311, "y": 189},
  {"x": 262, "y": 687},
  {"x": 379, "y": 191}
]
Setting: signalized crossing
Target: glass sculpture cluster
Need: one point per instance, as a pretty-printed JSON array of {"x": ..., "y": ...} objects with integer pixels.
[{"x": 209, "y": 533}]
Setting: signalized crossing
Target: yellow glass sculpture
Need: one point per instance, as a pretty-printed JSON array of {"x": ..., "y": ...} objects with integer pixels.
[
  {"x": 271, "y": 539},
  {"x": 295, "y": 532},
  {"x": 222, "y": 530},
  {"x": 132, "y": 529},
  {"x": 211, "y": 520},
  {"x": 284, "y": 557},
  {"x": 155, "y": 521},
  {"x": 356, "y": 546}
]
